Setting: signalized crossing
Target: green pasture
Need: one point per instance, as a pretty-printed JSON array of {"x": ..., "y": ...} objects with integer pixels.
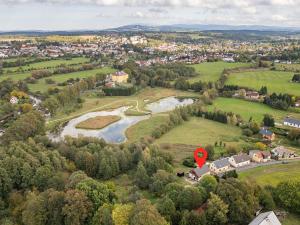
[
  {"x": 276, "y": 81},
  {"x": 211, "y": 71}
]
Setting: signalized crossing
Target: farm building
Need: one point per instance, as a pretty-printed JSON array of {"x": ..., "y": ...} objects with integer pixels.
[
  {"x": 267, "y": 218},
  {"x": 283, "y": 153}
]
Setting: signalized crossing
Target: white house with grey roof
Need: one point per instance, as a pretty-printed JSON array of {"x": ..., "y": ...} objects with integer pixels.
[
  {"x": 291, "y": 122},
  {"x": 239, "y": 160},
  {"x": 220, "y": 166},
  {"x": 267, "y": 218}
]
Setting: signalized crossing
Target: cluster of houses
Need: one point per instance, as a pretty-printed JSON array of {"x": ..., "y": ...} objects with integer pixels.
[{"x": 221, "y": 166}]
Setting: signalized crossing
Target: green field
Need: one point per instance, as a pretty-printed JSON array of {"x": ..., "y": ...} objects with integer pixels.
[
  {"x": 291, "y": 219},
  {"x": 273, "y": 174},
  {"x": 288, "y": 67},
  {"x": 183, "y": 139},
  {"x": 42, "y": 86},
  {"x": 276, "y": 81},
  {"x": 247, "y": 109},
  {"x": 15, "y": 76},
  {"x": 211, "y": 71},
  {"x": 48, "y": 64}
]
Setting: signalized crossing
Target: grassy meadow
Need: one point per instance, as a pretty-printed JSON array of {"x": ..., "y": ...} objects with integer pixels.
[
  {"x": 59, "y": 78},
  {"x": 211, "y": 71},
  {"x": 273, "y": 174},
  {"x": 98, "y": 122},
  {"x": 247, "y": 109},
  {"x": 276, "y": 81}
]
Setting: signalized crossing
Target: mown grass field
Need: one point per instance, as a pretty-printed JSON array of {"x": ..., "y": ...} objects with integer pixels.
[
  {"x": 42, "y": 86},
  {"x": 198, "y": 132},
  {"x": 48, "y": 64},
  {"x": 276, "y": 81},
  {"x": 98, "y": 122},
  {"x": 15, "y": 76},
  {"x": 211, "y": 71},
  {"x": 273, "y": 174},
  {"x": 250, "y": 109}
]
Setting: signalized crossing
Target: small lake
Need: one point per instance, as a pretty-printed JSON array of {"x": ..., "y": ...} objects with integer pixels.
[
  {"x": 168, "y": 104},
  {"x": 115, "y": 132}
]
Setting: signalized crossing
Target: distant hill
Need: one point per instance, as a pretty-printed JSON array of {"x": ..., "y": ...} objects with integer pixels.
[{"x": 162, "y": 28}]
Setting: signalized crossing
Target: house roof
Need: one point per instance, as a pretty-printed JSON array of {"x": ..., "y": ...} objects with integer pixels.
[
  {"x": 291, "y": 120},
  {"x": 282, "y": 150},
  {"x": 252, "y": 152},
  {"x": 241, "y": 158},
  {"x": 200, "y": 171},
  {"x": 120, "y": 73},
  {"x": 266, "y": 132},
  {"x": 221, "y": 163},
  {"x": 269, "y": 217}
]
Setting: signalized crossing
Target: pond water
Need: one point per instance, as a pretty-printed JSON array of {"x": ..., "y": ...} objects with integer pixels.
[
  {"x": 168, "y": 104},
  {"x": 115, "y": 132}
]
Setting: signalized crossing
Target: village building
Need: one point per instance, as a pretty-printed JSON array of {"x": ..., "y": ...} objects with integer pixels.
[
  {"x": 119, "y": 77},
  {"x": 267, "y": 218},
  {"x": 267, "y": 134},
  {"x": 252, "y": 95},
  {"x": 239, "y": 160},
  {"x": 281, "y": 152},
  {"x": 197, "y": 173},
  {"x": 259, "y": 156},
  {"x": 220, "y": 166},
  {"x": 291, "y": 122},
  {"x": 14, "y": 100}
]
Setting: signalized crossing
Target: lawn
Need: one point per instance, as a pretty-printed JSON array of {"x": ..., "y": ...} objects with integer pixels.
[
  {"x": 145, "y": 127},
  {"x": 291, "y": 219},
  {"x": 272, "y": 175},
  {"x": 211, "y": 71},
  {"x": 182, "y": 140},
  {"x": 98, "y": 122},
  {"x": 276, "y": 81},
  {"x": 49, "y": 64},
  {"x": 42, "y": 86},
  {"x": 15, "y": 76},
  {"x": 247, "y": 109},
  {"x": 288, "y": 67}
]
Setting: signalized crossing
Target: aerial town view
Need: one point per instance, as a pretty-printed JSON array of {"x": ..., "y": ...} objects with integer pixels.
[{"x": 172, "y": 112}]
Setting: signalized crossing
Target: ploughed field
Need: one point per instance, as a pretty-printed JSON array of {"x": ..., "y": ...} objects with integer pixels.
[{"x": 276, "y": 81}]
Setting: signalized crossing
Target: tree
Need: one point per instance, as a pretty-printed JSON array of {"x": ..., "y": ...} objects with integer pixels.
[
  {"x": 121, "y": 214},
  {"x": 266, "y": 200},
  {"x": 146, "y": 214},
  {"x": 288, "y": 195},
  {"x": 103, "y": 216},
  {"x": 192, "y": 218},
  {"x": 166, "y": 208},
  {"x": 77, "y": 208},
  {"x": 191, "y": 198},
  {"x": 55, "y": 203},
  {"x": 268, "y": 120},
  {"x": 27, "y": 125},
  {"x": 5, "y": 183},
  {"x": 216, "y": 213},
  {"x": 210, "y": 152},
  {"x": 209, "y": 183},
  {"x": 141, "y": 177}
]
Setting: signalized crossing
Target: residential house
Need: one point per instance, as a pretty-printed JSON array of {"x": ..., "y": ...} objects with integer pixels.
[
  {"x": 220, "y": 166},
  {"x": 239, "y": 160},
  {"x": 197, "y": 173},
  {"x": 259, "y": 156},
  {"x": 281, "y": 152},
  {"x": 267, "y": 218},
  {"x": 267, "y": 134},
  {"x": 252, "y": 95},
  {"x": 14, "y": 100},
  {"x": 291, "y": 122},
  {"x": 119, "y": 77}
]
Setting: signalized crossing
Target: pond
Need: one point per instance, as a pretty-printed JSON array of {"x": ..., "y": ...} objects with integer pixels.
[{"x": 115, "y": 132}]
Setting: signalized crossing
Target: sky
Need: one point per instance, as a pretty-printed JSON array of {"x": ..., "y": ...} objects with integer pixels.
[{"x": 102, "y": 14}]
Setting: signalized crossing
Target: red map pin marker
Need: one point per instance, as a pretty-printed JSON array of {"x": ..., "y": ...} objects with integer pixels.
[{"x": 200, "y": 160}]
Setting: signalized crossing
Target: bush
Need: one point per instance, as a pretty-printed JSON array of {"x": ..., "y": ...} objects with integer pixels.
[
  {"x": 189, "y": 162},
  {"x": 247, "y": 132}
]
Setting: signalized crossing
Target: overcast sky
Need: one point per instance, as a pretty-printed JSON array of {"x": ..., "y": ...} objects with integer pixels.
[{"x": 100, "y": 14}]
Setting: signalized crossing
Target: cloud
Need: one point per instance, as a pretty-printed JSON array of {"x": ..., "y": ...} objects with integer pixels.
[{"x": 279, "y": 18}]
